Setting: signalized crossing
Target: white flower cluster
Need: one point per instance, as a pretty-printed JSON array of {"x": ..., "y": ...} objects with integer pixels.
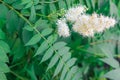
[
  {"x": 63, "y": 29},
  {"x": 86, "y": 25},
  {"x": 73, "y": 13}
]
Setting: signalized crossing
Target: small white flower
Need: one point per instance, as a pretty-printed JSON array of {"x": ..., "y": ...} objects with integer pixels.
[
  {"x": 73, "y": 13},
  {"x": 63, "y": 29},
  {"x": 82, "y": 26}
]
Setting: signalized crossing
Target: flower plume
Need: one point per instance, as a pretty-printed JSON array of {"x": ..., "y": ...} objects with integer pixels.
[
  {"x": 84, "y": 24},
  {"x": 63, "y": 29}
]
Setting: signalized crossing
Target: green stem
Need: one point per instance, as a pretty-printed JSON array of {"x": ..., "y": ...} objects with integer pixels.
[
  {"x": 41, "y": 15},
  {"x": 12, "y": 66},
  {"x": 48, "y": 2},
  {"x": 95, "y": 43}
]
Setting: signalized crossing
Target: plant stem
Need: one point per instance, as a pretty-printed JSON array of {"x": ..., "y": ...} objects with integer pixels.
[
  {"x": 41, "y": 15},
  {"x": 48, "y": 2},
  {"x": 95, "y": 43},
  {"x": 15, "y": 65}
]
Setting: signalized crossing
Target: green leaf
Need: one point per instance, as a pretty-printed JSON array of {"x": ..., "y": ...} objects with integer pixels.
[
  {"x": 12, "y": 22},
  {"x": 3, "y": 56},
  {"x": 27, "y": 27},
  {"x": 64, "y": 71},
  {"x": 47, "y": 54},
  {"x": 2, "y": 76},
  {"x": 72, "y": 71},
  {"x": 38, "y": 7},
  {"x": 77, "y": 75},
  {"x": 63, "y": 50},
  {"x": 113, "y": 9},
  {"x": 35, "y": 39},
  {"x": 71, "y": 62},
  {"x": 36, "y": 2},
  {"x": 25, "y": 12},
  {"x": 47, "y": 31},
  {"x": 2, "y": 34},
  {"x": 68, "y": 3},
  {"x": 113, "y": 74},
  {"x": 26, "y": 35},
  {"x": 52, "y": 38},
  {"x": 44, "y": 9},
  {"x": 25, "y": 1},
  {"x": 33, "y": 14},
  {"x": 3, "y": 11},
  {"x": 41, "y": 23},
  {"x": 4, "y": 68},
  {"x": 65, "y": 57},
  {"x": 108, "y": 51},
  {"x": 17, "y": 5},
  {"x": 28, "y": 5},
  {"x": 93, "y": 3},
  {"x": 52, "y": 7},
  {"x": 18, "y": 50},
  {"x": 59, "y": 67},
  {"x": 42, "y": 48},
  {"x": 59, "y": 45},
  {"x": 4, "y": 46},
  {"x": 53, "y": 61},
  {"x": 111, "y": 61},
  {"x": 31, "y": 72},
  {"x": 62, "y": 4},
  {"x": 88, "y": 4}
]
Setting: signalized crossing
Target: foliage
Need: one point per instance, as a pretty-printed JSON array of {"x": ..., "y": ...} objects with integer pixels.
[{"x": 30, "y": 48}]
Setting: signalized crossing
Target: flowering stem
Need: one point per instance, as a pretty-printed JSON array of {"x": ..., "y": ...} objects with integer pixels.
[
  {"x": 41, "y": 15},
  {"x": 49, "y": 2}
]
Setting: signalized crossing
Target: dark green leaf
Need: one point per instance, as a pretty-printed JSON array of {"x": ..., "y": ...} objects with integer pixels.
[
  {"x": 12, "y": 22},
  {"x": 2, "y": 34}
]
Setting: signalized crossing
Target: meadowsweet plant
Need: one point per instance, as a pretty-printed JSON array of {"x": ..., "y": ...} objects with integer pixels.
[
  {"x": 84, "y": 24},
  {"x": 59, "y": 39}
]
